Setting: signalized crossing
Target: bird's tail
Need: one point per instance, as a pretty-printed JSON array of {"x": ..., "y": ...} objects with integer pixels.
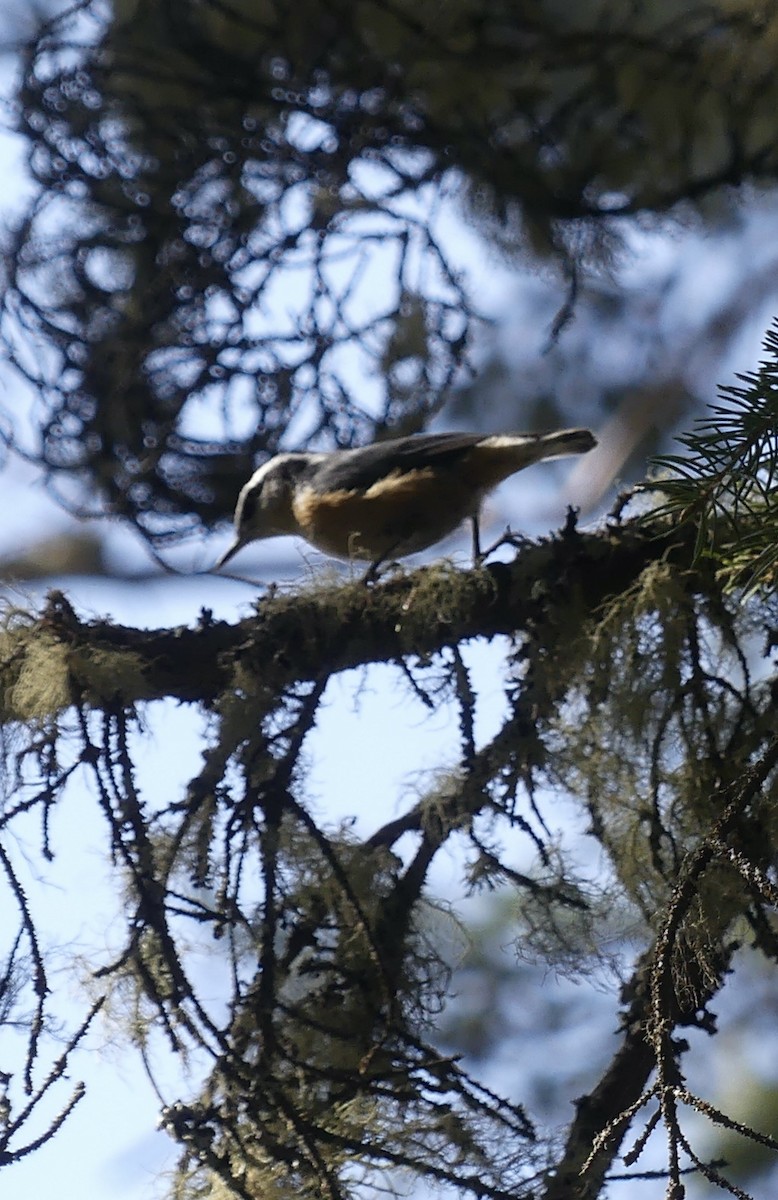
[
  {"x": 510, "y": 452},
  {"x": 565, "y": 441},
  {"x": 544, "y": 445}
]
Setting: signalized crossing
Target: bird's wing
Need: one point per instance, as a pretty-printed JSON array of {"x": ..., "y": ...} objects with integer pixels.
[{"x": 359, "y": 469}]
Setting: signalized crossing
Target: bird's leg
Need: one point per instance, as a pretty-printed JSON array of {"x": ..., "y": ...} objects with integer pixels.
[
  {"x": 477, "y": 556},
  {"x": 371, "y": 574}
]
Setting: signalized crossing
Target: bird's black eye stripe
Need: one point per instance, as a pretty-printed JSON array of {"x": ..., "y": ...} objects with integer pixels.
[
  {"x": 295, "y": 468},
  {"x": 249, "y": 506}
]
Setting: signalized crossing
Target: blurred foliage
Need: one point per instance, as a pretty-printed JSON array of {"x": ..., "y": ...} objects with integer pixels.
[{"x": 232, "y": 238}]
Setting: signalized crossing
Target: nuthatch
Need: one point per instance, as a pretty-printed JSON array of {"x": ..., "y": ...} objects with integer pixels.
[{"x": 390, "y": 499}]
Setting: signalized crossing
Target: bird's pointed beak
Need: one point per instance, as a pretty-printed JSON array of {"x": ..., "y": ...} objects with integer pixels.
[{"x": 229, "y": 553}]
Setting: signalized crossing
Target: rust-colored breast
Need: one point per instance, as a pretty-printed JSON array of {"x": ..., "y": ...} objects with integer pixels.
[{"x": 398, "y": 515}]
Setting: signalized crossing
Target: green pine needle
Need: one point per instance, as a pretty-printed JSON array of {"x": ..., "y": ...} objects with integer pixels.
[{"x": 726, "y": 480}]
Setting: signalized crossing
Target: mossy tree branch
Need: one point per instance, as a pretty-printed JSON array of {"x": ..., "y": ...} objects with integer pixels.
[
  {"x": 298, "y": 637},
  {"x": 347, "y": 978}
]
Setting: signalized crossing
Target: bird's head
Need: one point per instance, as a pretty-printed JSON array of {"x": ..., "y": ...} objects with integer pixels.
[{"x": 264, "y": 507}]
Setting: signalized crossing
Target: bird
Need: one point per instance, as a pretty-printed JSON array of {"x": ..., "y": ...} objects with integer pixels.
[{"x": 393, "y": 498}]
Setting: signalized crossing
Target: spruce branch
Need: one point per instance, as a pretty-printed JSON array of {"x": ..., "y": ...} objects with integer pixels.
[{"x": 725, "y": 482}]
